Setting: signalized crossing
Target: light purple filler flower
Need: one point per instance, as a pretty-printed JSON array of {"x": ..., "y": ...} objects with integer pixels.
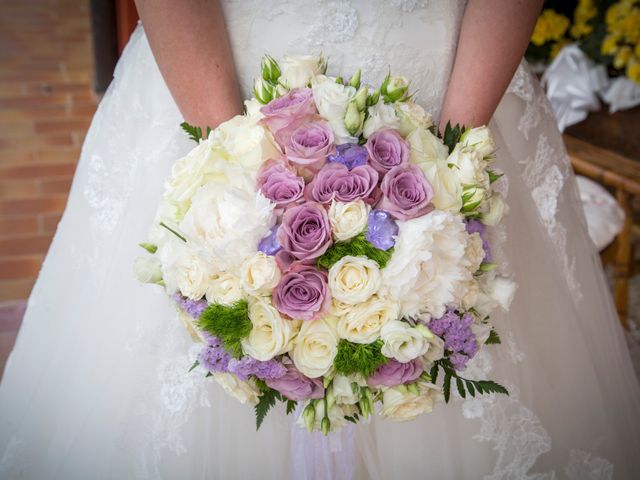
[
  {"x": 213, "y": 357},
  {"x": 395, "y": 373},
  {"x": 279, "y": 184},
  {"x": 406, "y": 193},
  {"x": 193, "y": 307},
  {"x": 302, "y": 293},
  {"x": 458, "y": 338},
  {"x": 381, "y": 229},
  {"x": 350, "y": 155},
  {"x": 336, "y": 182},
  {"x": 305, "y": 232},
  {"x": 476, "y": 226},
  {"x": 283, "y": 111},
  {"x": 387, "y": 149},
  {"x": 296, "y": 386},
  {"x": 248, "y": 366}
]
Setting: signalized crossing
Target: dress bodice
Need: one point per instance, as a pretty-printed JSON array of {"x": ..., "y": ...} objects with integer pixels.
[{"x": 415, "y": 38}]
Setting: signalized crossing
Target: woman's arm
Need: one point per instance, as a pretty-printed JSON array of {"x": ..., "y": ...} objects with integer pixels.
[
  {"x": 190, "y": 44},
  {"x": 493, "y": 38}
]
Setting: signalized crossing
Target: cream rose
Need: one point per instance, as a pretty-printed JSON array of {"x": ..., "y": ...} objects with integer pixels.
[
  {"x": 426, "y": 147},
  {"x": 412, "y": 116},
  {"x": 381, "y": 115},
  {"x": 299, "y": 70},
  {"x": 332, "y": 100},
  {"x": 259, "y": 274},
  {"x": 402, "y": 341},
  {"x": 315, "y": 347},
  {"x": 348, "y": 219},
  {"x": 271, "y": 335},
  {"x": 184, "y": 270},
  {"x": 244, "y": 392},
  {"x": 469, "y": 166},
  {"x": 224, "y": 288},
  {"x": 403, "y": 403},
  {"x": 495, "y": 209},
  {"x": 363, "y": 322},
  {"x": 353, "y": 280},
  {"x": 480, "y": 139},
  {"x": 474, "y": 253}
]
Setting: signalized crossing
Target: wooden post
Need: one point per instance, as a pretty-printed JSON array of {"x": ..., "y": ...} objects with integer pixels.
[{"x": 622, "y": 262}]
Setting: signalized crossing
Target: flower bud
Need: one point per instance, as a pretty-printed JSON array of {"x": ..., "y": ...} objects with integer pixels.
[
  {"x": 373, "y": 98},
  {"x": 340, "y": 80},
  {"x": 147, "y": 270},
  {"x": 413, "y": 388},
  {"x": 472, "y": 197},
  {"x": 325, "y": 426},
  {"x": 309, "y": 415},
  {"x": 331, "y": 398},
  {"x": 263, "y": 91},
  {"x": 353, "y": 118},
  {"x": 424, "y": 330},
  {"x": 354, "y": 81},
  {"x": 361, "y": 98},
  {"x": 394, "y": 89},
  {"x": 270, "y": 69}
]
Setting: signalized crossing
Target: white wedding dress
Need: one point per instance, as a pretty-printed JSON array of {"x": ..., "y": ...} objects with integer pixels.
[{"x": 97, "y": 385}]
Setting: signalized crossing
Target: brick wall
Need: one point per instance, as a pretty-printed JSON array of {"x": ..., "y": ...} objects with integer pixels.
[{"x": 46, "y": 105}]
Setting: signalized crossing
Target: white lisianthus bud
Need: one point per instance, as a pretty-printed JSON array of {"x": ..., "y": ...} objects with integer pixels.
[
  {"x": 497, "y": 208},
  {"x": 472, "y": 198},
  {"x": 259, "y": 275},
  {"x": 381, "y": 115},
  {"x": 309, "y": 415},
  {"x": 348, "y": 219},
  {"x": 354, "y": 81},
  {"x": 479, "y": 138},
  {"x": 299, "y": 70},
  {"x": 147, "y": 269},
  {"x": 394, "y": 89},
  {"x": 412, "y": 116},
  {"x": 402, "y": 341},
  {"x": 353, "y": 280},
  {"x": 263, "y": 91},
  {"x": 353, "y": 119},
  {"x": 361, "y": 98},
  {"x": 344, "y": 391},
  {"x": 270, "y": 69}
]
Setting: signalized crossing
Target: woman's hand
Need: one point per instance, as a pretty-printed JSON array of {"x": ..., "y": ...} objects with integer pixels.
[
  {"x": 493, "y": 37},
  {"x": 190, "y": 44}
]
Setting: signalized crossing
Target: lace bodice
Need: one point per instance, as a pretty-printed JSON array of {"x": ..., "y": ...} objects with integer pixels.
[{"x": 415, "y": 38}]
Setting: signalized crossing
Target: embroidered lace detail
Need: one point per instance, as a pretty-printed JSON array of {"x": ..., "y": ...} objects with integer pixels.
[
  {"x": 584, "y": 466},
  {"x": 338, "y": 22},
  {"x": 408, "y": 5}
]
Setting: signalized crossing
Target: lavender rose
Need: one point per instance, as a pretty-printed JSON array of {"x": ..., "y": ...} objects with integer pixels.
[
  {"x": 296, "y": 386},
  {"x": 350, "y": 155},
  {"x": 279, "y": 184},
  {"x": 387, "y": 149},
  {"x": 307, "y": 142},
  {"x": 305, "y": 232},
  {"x": 395, "y": 373},
  {"x": 285, "y": 110},
  {"x": 336, "y": 182},
  {"x": 406, "y": 193},
  {"x": 301, "y": 294}
]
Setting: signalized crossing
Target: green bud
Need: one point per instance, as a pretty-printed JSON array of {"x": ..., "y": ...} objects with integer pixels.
[
  {"x": 331, "y": 398},
  {"x": 373, "y": 98},
  {"x": 340, "y": 80},
  {"x": 149, "y": 247},
  {"x": 353, "y": 118},
  {"x": 413, "y": 388},
  {"x": 424, "y": 330},
  {"x": 280, "y": 90},
  {"x": 270, "y": 69},
  {"x": 263, "y": 91},
  {"x": 322, "y": 64},
  {"x": 354, "y": 81},
  {"x": 394, "y": 89},
  {"x": 309, "y": 416},
  {"x": 426, "y": 377},
  {"x": 487, "y": 267},
  {"x": 361, "y": 98},
  {"x": 325, "y": 425}
]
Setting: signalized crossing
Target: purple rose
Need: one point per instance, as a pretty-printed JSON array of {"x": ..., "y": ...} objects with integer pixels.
[
  {"x": 305, "y": 231},
  {"x": 387, "y": 149},
  {"x": 279, "y": 184},
  {"x": 336, "y": 182},
  {"x": 395, "y": 373},
  {"x": 350, "y": 155},
  {"x": 307, "y": 142},
  {"x": 406, "y": 193},
  {"x": 381, "y": 229},
  {"x": 283, "y": 111},
  {"x": 302, "y": 293},
  {"x": 296, "y": 386}
]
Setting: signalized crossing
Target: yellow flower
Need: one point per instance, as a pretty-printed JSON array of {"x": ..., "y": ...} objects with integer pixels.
[
  {"x": 633, "y": 71},
  {"x": 622, "y": 57},
  {"x": 585, "y": 11},
  {"x": 610, "y": 45},
  {"x": 550, "y": 26}
]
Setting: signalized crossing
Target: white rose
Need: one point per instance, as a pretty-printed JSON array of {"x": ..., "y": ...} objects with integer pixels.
[
  {"x": 227, "y": 222},
  {"x": 412, "y": 116},
  {"x": 244, "y": 392},
  {"x": 348, "y": 219},
  {"x": 339, "y": 308},
  {"x": 474, "y": 253},
  {"x": 403, "y": 404},
  {"x": 243, "y": 141},
  {"x": 381, "y": 115},
  {"x": 447, "y": 191},
  {"x": 259, "y": 274},
  {"x": 469, "y": 166},
  {"x": 496, "y": 208},
  {"x": 147, "y": 269},
  {"x": 224, "y": 288},
  {"x": 426, "y": 147},
  {"x": 184, "y": 270},
  {"x": 402, "y": 341},
  {"x": 362, "y": 324},
  {"x": 315, "y": 347},
  {"x": 480, "y": 138},
  {"x": 354, "y": 279},
  {"x": 271, "y": 335},
  {"x": 332, "y": 99},
  {"x": 299, "y": 70},
  {"x": 344, "y": 391}
]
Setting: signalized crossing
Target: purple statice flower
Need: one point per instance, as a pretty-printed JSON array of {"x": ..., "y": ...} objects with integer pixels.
[
  {"x": 458, "y": 338},
  {"x": 270, "y": 245},
  {"x": 248, "y": 366},
  {"x": 475, "y": 226},
  {"x": 213, "y": 357},
  {"x": 382, "y": 229},
  {"x": 350, "y": 155},
  {"x": 193, "y": 307}
]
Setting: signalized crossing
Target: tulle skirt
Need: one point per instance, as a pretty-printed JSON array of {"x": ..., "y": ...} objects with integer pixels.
[{"x": 97, "y": 385}]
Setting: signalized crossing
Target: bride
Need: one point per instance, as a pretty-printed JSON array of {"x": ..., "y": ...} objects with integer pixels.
[{"x": 97, "y": 385}]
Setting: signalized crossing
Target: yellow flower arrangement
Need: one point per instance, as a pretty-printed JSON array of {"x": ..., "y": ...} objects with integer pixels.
[
  {"x": 550, "y": 26},
  {"x": 622, "y": 42},
  {"x": 584, "y": 13}
]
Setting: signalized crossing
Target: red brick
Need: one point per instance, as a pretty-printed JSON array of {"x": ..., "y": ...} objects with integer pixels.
[
  {"x": 16, "y": 289},
  {"x": 20, "y": 267},
  {"x": 24, "y": 245},
  {"x": 53, "y": 203},
  {"x": 18, "y": 226},
  {"x": 41, "y": 170},
  {"x": 19, "y": 188}
]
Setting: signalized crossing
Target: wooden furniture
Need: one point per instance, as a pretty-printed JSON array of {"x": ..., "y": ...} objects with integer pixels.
[{"x": 622, "y": 175}]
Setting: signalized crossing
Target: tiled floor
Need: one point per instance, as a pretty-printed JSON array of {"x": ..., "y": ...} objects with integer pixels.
[{"x": 46, "y": 104}]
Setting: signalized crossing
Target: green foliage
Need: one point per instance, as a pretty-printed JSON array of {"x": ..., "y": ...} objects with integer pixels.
[
  {"x": 149, "y": 247},
  {"x": 229, "y": 323},
  {"x": 452, "y": 135},
  {"x": 359, "y": 358},
  {"x": 266, "y": 402},
  {"x": 356, "y": 246},
  {"x": 493, "y": 339},
  {"x": 164, "y": 225},
  {"x": 493, "y": 176},
  {"x": 463, "y": 385},
  {"x": 195, "y": 133},
  {"x": 291, "y": 406},
  {"x": 194, "y": 366}
]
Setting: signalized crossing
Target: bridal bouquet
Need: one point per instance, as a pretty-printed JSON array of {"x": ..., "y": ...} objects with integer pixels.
[{"x": 329, "y": 250}]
